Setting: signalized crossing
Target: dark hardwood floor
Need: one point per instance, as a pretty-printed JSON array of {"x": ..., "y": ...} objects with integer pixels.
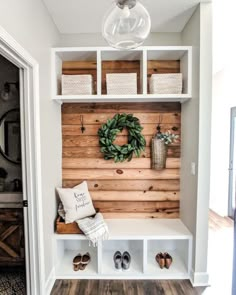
[{"x": 119, "y": 287}]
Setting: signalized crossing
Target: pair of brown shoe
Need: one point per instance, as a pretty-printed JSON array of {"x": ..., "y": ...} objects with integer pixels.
[
  {"x": 81, "y": 261},
  {"x": 164, "y": 260}
]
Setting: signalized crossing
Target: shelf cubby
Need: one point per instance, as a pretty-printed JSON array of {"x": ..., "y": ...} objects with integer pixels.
[
  {"x": 170, "y": 61},
  {"x": 122, "y": 62},
  {"x": 134, "y": 247},
  {"x": 67, "y": 249},
  {"x": 178, "y": 249},
  {"x": 74, "y": 63}
]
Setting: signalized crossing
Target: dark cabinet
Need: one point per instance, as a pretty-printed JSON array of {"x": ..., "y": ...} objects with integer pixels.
[{"x": 12, "y": 250}]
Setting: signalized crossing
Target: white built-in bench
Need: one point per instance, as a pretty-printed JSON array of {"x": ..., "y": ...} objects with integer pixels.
[{"x": 142, "y": 238}]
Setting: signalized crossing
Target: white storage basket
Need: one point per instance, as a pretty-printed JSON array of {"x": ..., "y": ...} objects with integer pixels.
[
  {"x": 119, "y": 84},
  {"x": 165, "y": 84},
  {"x": 77, "y": 84}
]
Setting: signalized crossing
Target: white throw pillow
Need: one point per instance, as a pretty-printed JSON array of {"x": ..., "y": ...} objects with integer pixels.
[{"x": 77, "y": 202}]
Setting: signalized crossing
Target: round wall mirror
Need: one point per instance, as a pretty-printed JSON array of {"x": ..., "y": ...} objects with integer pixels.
[{"x": 10, "y": 140}]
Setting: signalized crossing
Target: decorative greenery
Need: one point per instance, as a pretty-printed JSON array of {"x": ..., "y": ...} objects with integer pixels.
[
  {"x": 3, "y": 173},
  {"x": 167, "y": 137},
  {"x": 108, "y": 132}
]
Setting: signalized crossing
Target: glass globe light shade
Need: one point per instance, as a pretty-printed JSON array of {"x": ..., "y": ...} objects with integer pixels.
[{"x": 126, "y": 25}]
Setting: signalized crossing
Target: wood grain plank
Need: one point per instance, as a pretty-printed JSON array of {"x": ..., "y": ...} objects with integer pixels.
[
  {"x": 171, "y": 65},
  {"x": 10, "y": 215},
  {"x": 112, "y": 65},
  {"x": 79, "y": 72},
  {"x": 134, "y": 196},
  {"x": 93, "y": 141},
  {"x": 8, "y": 250},
  {"x": 148, "y": 129},
  {"x": 8, "y": 232},
  {"x": 127, "y": 185},
  {"x": 94, "y": 152},
  {"x": 120, "y": 174},
  {"x": 151, "y": 207},
  {"x": 163, "y": 66},
  {"x": 76, "y": 108},
  {"x": 100, "y": 118},
  {"x": 79, "y": 65},
  {"x": 91, "y": 163}
]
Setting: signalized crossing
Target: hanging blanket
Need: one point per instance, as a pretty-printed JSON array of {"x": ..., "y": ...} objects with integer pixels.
[{"x": 94, "y": 228}]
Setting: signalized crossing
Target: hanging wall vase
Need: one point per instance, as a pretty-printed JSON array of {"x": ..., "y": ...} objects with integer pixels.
[{"x": 159, "y": 152}]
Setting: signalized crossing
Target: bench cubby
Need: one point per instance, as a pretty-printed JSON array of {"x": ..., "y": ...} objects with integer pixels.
[
  {"x": 180, "y": 252},
  {"x": 135, "y": 249},
  {"x": 66, "y": 250}
]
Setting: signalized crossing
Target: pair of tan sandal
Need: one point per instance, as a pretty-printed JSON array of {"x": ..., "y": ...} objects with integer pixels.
[
  {"x": 164, "y": 260},
  {"x": 81, "y": 261}
]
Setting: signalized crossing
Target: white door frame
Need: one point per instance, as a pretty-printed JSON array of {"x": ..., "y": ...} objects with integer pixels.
[
  {"x": 31, "y": 161},
  {"x": 232, "y": 158}
]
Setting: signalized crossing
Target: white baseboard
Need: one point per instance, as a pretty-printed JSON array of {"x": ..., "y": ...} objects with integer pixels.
[
  {"x": 50, "y": 282},
  {"x": 199, "y": 279}
]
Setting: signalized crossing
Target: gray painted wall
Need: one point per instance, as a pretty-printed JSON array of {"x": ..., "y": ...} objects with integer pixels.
[
  {"x": 29, "y": 23},
  {"x": 154, "y": 39},
  {"x": 190, "y": 131},
  {"x": 196, "y": 139}
]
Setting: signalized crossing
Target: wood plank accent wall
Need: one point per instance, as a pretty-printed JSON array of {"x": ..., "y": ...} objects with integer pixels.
[{"x": 128, "y": 189}]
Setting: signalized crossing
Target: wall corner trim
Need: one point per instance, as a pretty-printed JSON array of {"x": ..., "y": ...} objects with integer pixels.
[
  {"x": 199, "y": 279},
  {"x": 50, "y": 282}
]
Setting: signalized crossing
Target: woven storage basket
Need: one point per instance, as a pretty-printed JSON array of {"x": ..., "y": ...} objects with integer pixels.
[
  {"x": 77, "y": 84},
  {"x": 165, "y": 84},
  {"x": 159, "y": 152},
  {"x": 67, "y": 228},
  {"x": 121, "y": 83}
]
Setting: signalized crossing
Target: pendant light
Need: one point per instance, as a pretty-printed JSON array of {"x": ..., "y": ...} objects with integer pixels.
[{"x": 126, "y": 25}]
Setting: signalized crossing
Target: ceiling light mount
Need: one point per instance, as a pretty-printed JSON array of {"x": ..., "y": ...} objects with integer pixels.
[{"x": 122, "y": 3}]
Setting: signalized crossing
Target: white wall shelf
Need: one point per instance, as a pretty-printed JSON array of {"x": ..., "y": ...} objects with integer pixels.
[
  {"x": 143, "y": 239},
  {"x": 122, "y": 98},
  {"x": 98, "y": 55}
]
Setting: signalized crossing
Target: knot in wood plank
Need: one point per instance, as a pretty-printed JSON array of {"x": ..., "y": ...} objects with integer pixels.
[{"x": 119, "y": 171}]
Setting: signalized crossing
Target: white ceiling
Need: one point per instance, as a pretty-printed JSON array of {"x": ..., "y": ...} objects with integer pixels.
[{"x": 85, "y": 16}]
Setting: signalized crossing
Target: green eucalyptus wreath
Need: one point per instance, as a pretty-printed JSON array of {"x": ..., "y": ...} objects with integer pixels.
[{"x": 107, "y": 134}]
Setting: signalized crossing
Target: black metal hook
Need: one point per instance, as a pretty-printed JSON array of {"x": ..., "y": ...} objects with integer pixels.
[
  {"x": 82, "y": 128},
  {"x": 158, "y": 124}
]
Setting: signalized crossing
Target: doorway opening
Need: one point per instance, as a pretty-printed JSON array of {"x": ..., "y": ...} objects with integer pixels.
[
  {"x": 12, "y": 245},
  {"x": 30, "y": 160}
]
